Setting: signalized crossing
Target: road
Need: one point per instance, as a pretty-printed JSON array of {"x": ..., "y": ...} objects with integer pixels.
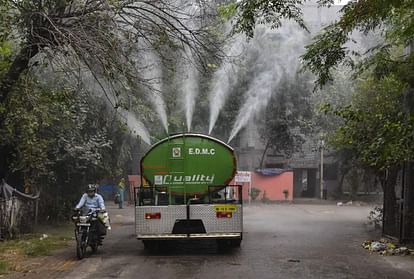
[{"x": 280, "y": 241}]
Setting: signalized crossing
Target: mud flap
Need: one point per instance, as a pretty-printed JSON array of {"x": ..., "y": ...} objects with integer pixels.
[{"x": 186, "y": 226}]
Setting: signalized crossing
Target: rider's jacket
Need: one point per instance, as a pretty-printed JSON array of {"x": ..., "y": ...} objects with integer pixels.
[{"x": 96, "y": 202}]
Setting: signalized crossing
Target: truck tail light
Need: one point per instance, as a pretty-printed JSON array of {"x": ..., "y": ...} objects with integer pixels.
[
  {"x": 221, "y": 214},
  {"x": 156, "y": 215}
]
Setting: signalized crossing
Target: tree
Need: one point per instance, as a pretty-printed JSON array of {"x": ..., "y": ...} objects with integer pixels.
[
  {"x": 329, "y": 49},
  {"x": 286, "y": 119},
  {"x": 248, "y": 13},
  {"x": 105, "y": 40},
  {"x": 377, "y": 133},
  {"x": 102, "y": 35},
  {"x": 338, "y": 93},
  {"x": 375, "y": 128}
]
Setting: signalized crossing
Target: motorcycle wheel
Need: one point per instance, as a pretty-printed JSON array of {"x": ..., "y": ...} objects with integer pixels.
[
  {"x": 94, "y": 247},
  {"x": 80, "y": 246},
  {"x": 80, "y": 250}
]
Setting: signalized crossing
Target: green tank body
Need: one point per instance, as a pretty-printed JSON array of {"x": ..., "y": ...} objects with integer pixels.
[{"x": 187, "y": 164}]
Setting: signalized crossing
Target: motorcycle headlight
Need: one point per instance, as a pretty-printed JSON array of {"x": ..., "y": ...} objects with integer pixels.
[
  {"x": 75, "y": 218},
  {"x": 83, "y": 219}
]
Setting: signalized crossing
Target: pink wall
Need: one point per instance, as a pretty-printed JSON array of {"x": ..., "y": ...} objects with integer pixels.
[{"x": 273, "y": 185}]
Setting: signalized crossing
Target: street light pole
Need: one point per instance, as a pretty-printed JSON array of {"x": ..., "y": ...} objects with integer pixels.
[{"x": 321, "y": 172}]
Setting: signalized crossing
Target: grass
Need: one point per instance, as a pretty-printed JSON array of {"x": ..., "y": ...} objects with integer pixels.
[
  {"x": 4, "y": 267},
  {"x": 41, "y": 243}
]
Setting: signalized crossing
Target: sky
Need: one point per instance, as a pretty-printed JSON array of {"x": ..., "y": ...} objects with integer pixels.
[{"x": 341, "y": 2}]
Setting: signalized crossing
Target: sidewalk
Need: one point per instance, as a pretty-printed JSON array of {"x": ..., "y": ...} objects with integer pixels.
[{"x": 339, "y": 202}]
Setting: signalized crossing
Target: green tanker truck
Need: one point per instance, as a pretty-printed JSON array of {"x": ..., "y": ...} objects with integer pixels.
[{"x": 185, "y": 192}]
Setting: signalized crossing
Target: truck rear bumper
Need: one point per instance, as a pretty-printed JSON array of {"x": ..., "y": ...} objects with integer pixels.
[{"x": 190, "y": 236}]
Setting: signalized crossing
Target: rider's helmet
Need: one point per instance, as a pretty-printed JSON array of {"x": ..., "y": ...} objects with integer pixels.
[{"x": 91, "y": 189}]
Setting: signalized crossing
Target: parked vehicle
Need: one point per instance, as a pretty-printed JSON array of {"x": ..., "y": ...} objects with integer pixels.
[
  {"x": 89, "y": 230},
  {"x": 184, "y": 192}
]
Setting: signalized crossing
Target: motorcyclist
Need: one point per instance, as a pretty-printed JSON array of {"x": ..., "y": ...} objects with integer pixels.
[{"x": 92, "y": 201}]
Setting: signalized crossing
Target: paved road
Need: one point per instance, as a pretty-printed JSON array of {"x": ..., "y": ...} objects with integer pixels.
[{"x": 280, "y": 241}]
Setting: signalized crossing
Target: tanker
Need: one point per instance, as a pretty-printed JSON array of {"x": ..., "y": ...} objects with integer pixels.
[{"x": 185, "y": 192}]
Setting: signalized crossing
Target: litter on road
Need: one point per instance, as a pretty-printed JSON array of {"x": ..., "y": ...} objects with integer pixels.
[{"x": 387, "y": 248}]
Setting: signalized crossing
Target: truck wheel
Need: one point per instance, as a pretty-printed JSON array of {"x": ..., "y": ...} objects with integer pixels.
[
  {"x": 235, "y": 243},
  {"x": 223, "y": 244},
  {"x": 150, "y": 245}
]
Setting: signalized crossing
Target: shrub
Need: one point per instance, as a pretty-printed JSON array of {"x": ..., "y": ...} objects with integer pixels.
[
  {"x": 286, "y": 193},
  {"x": 254, "y": 193}
]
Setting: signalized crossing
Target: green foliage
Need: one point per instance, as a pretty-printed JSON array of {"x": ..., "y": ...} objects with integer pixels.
[
  {"x": 376, "y": 129},
  {"x": 42, "y": 123},
  {"x": 265, "y": 199},
  {"x": 61, "y": 139},
  {"x": 5, "y": 44},
  {"x": 5, "y": 55},
  {"x": 227, "y": 11},
  {"x": 272, "y": 12},
  {"x": 4, "y": 267},
  {"x": 59, "y": 60},
  {"x": 375, "y": 217},
  {"x": 42, "y": 246},
  {"x": 324, "y": 53},
  {"x": 13, "y": 252},
  {"x": 254, "y": 193},
  {"x": 328, "y": 50},
  {"x": 286, "y": 119}
]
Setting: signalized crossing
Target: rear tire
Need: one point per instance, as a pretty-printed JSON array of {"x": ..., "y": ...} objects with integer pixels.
[
  {"x": 235, "y": 243},
  {"x": 223, "y": 245},
  {"x": 150, "y": 245}
]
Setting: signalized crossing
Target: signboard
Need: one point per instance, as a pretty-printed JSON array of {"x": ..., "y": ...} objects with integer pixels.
[{"x": 243, "y": 176}]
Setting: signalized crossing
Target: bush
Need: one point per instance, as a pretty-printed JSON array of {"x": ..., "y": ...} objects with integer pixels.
[
  {"x": 264, "y": 198},
  {"x": 254, "y": 193},
  {"x": 375, "y": 217}
]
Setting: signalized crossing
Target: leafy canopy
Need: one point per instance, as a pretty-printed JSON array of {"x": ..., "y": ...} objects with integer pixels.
[
  {"x": 375, "y": 129},
  {"x": 394, "y": 18}
]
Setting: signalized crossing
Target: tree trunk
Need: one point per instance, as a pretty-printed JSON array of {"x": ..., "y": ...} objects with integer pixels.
[
  {"x": 19, "y": 65},
  {"x": 341, "y": 182},
  {"x": 5, "y": 154},
  {"x": 264, "y": 153},
  {"x": 390, "y": 203}
]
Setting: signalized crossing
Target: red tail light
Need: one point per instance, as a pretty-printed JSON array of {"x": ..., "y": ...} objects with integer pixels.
[
  {"x": 156, "y": 215},
  {"x": 221, "y": 214}
]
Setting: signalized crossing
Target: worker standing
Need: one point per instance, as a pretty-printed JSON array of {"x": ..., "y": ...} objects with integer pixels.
[
  {"x": 121, "y": 191},
  {"x": 324, "y": 189}
]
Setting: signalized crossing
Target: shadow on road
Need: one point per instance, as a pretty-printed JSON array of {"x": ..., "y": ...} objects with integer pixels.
[{"x": 189, "y": 247}]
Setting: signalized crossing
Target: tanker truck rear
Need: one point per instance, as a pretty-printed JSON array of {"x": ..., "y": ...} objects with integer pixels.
[{"x": 184, "y": 192}]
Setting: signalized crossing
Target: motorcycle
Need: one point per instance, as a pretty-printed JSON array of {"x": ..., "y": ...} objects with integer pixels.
[{"x": 89, "y": 231}]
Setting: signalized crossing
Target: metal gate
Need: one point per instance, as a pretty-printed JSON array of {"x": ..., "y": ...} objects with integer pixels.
[{"x": 398, "y": 221}]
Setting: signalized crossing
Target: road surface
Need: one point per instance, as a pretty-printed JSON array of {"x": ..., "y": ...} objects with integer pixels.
[{"x": 280, "y": 241}]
